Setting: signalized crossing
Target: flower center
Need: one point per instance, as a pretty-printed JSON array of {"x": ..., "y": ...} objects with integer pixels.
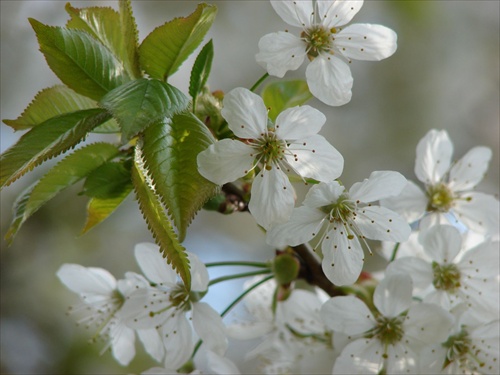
[
  {"x": 269, "y": 149},
  {"x": 388, "y": 330},
  {"x": 446, "y": 277},
  {"x": 459, "y": 349},
  {"x": 318, "y": 39},
  {"x": 440, "y": 198},
  {"x": 342, "y": 210}
]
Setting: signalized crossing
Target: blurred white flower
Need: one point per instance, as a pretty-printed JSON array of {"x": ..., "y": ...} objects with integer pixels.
[
  {"x": 448, "y": 195},
  {"x": 164, "y": 304},
  {"x": 342, "y": 219},
  {"x": 291, "y": 145},
  {"x": 389, "y": 341},
  {"x": 326, "y": 43},
  {"x": 449, "y": 278},
  {"x": 102, "y": 298}
]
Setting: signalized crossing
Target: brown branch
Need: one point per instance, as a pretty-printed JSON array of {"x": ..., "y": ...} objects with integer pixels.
[{"x": 312, "y": 272}]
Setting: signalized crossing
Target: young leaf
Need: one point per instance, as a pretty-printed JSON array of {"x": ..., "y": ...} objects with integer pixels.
[
  {"x": 98, "y": 209},
  {"x": 138, "y": 103},
  {"x": 281, "y": 95},
  {"x": 47, "y": 140},
  {"x": 158, "y": 223},
  {"x": 170, "y": 151},
  {"x": 80, "y": 61},
  {"x": 66, "y": 173},
  {"x": 107, "y": 181},
  {"x": 54, "y": 101},
  {"x": 104, "y": 24},
  {"x": 201, "y": 70},
  {"x": 164, "y": 50},
  {"x": 131, "y": 37},
  {"x": 18, "y": 214}
]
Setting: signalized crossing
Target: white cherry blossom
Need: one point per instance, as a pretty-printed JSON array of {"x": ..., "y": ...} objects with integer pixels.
[
  {"x": 291, "y": 145},
  {"x": 389, "y": 340},
  {"x": 102, "y": 298},
  {"x": 451, "y": 277},
  {"x": 166, "y": 305},
  {"x": 448, "y": 196},
  {"x": 326, "y": 42},
  {"x": 342, "y": 219}
]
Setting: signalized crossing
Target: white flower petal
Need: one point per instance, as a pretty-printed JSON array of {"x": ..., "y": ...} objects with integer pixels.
[
  {"x": 380, "y": 223},
  {"x": 432, "y": 359},
  {"x": 411, "y": 203},
  {"x": 316, "y": 158},
  {"x": 295, "y": 13},
  {"x": 348, "y": 315},
  {"x": 334, "y": 13},
  {"x": 479, "y": 212},
  {"x": 380, "y": 184},
  {"x": 221, "y": 365},
  {"x": 393, "y": 295},
  {"x": 323, "y": 194},
  {"x": 427, "y": 324},
  {"x": 95, "y": 284},
  {"x": 470, "y": 169},
  {"x": 249, "y": 330},
  {"x": 152, "y": 342},
  {"x": 433, "y": 156},
  {"x": 177, "y": 338},
  {"x": 342, "y": 258},
  {"x": 208, "y": 325},
  {"x": 420, "y": 271},
  {"x": 304, "y": 224},
  {"x": 366, "y": 42},
  {"x": 401, "y": 359},
  {"x": 245, "y": 113},
  {"x": 225, "y": 161},
  {"x": 363, "y": 356},
  {"x": 441, "y": 243},
  {"x": 122, "y": 343},
  {"x": 199, "y": 273},
  {"x": 299, "y": 122},
  {"x": 440, "y": 298},
  {"x": 330, "y": 80},
  {"x": 153, "y": 265},
  {"x": 280, "y": 52},
  {"x": 301, "y": 312},
  {"x": 273, "y": 198}
]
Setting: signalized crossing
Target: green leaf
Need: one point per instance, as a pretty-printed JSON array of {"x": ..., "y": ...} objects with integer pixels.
[
  {"x": 98, "y": 209},
  {"x": 131, "y": 37},
  {"x": 164, "y": 50},
  {"x": 54, "y": 101},
  {"x": 18, "y": 214},
  {"x": 201, "y": 70},
  {"x": 158, "y": 223},
  {"x": 47, "y": 140},
  {"x": 104, "y": 24},
  {"x": 140, "y": 102},
  {"x": 281, "y": 95},
  {"x": 107, "y": 181},
  {"x": 170, "y": 152},
  {"x": 66, "y": 173},
  {"x": 80, "y": 61}
]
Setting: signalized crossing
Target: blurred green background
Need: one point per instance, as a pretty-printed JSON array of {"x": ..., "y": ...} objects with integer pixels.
[{"x": 444, "y": 75}]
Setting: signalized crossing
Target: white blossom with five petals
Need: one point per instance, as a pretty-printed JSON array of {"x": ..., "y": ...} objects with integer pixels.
[
  {"x": 326, "y": 42},
  {"x": 292, "y": 145},
  {"x": 342, "y": 219}
]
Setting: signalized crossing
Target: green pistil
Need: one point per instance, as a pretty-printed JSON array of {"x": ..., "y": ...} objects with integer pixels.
[
  {"x": 340, "y": 211},
  {"x": 270, "y": 149},
  {"x": 318, "y": 39},
  {"x": 440, "y": 198},
  {"x": 388, "y": 331},
  {"x": 180, "y": 297},
  {"x": 446, "y": 277}
]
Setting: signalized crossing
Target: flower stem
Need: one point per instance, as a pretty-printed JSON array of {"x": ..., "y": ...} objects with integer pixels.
[
  {"x": 394, "y": 252},
  {"x": 239, "y": 275},
  {"x": 231, "y": 305},
  {"x": 256, "y": 84},
  {"x": 238, "y": 263}
]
